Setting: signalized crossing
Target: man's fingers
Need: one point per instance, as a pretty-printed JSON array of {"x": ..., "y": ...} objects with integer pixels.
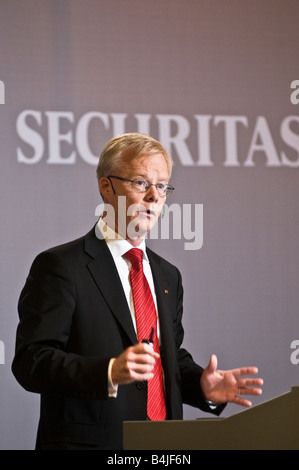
[
  {"x": 144, "y": 348},
  {"x": 247, "y": 387},
  {"x": 125, "y": 372},
  {"x": 244, "y": 371},
  {"x": 250, "y": 382},
  {"x": 141, "y": 358},
  {"x": 136, "y": 363},
  {"x": 141, "y": 366},
  {"x": 249, "y": 391},
  {"x": 242, "y": 402}
]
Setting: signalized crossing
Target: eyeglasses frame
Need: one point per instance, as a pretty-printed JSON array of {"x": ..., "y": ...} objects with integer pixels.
[{"x": 169, "y": 187}]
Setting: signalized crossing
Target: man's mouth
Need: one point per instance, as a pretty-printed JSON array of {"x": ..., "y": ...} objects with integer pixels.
[{"x": 150, "y": 213}]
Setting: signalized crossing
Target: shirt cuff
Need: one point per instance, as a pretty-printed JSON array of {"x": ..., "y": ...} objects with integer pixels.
[
  {"x": 212, "y": 405},
  {"x": 112, "y": 389}
]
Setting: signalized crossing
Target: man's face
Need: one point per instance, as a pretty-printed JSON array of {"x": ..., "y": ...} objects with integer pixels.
[{"x": 135, "y": 212}]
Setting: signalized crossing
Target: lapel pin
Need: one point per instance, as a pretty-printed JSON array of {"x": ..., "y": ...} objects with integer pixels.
[{"x": 166, "y": 291}]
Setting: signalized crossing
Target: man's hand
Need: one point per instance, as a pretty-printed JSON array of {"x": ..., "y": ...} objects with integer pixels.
[
  {"x": 136, "y": 363},
  {"x": 223, "y": 386}
]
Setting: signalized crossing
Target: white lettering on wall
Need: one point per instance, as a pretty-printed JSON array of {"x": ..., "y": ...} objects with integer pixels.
[
  {"x": 30, "y": 136},
  {"x": 263, "y": 135},
  {"x": 2, "y": 92},
  {"x": 2, "y": 353},
  {"x": 230, "y": 129},
  {"x": 291, "y": 139},
  {"x": 295, "y": 354},
  {"x": 58, "y": 138},
  {"x": 178, "y": 140},
  {"x": 295, "y": 94}
]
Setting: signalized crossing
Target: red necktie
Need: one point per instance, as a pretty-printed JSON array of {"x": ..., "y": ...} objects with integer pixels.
[{"x": 146, "y": 319}]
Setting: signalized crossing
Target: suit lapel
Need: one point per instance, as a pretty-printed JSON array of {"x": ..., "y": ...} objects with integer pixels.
[{"x": 104, "y": 273}]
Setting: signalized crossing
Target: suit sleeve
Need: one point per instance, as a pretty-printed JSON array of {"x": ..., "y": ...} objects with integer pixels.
[{"x": 42, "y": 362}]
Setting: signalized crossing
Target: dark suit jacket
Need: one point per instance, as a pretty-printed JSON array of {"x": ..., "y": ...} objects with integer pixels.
[{"x": 73, "y": 318}]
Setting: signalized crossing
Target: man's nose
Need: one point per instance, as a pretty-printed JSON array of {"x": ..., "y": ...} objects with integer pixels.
[{"x": 152, "y": 194}]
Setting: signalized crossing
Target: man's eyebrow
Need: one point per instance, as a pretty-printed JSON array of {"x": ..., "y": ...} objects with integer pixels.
[{"x": 140, "y": 175}]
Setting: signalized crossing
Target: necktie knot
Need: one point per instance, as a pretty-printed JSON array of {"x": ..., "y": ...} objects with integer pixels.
[{"x": 135, "y": 255}]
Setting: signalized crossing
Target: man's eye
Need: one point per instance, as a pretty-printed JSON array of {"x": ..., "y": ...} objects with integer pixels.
[
  {"x": 141, "y": 183},
  {"x": 161, "y": 186}
]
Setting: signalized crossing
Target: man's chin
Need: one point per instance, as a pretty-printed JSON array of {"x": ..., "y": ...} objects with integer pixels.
[{"x": 139, "y": 229}]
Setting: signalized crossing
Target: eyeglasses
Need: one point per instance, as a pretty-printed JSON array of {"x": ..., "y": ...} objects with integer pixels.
[{"x": 141, "y": 186}]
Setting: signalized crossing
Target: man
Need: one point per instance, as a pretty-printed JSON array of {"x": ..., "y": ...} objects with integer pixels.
[{"x": 78, "y": 341}]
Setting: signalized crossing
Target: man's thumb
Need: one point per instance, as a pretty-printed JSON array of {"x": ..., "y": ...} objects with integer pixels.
[{"x": 212, "y": 367}]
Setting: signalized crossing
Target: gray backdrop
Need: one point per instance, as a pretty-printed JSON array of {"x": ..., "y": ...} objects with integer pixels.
[{"x": 212, "y": 80}]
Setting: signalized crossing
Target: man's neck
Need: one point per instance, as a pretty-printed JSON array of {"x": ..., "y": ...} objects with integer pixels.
[
  {"x": 135, "y": 242},
  {"x": 113, "y": 232}
]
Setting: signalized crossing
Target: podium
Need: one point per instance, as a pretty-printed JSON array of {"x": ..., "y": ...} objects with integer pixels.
[{"x": 272, "y": 425}]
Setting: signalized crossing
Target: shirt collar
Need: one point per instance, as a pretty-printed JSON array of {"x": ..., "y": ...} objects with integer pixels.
[{"x": 117, "y": 244}]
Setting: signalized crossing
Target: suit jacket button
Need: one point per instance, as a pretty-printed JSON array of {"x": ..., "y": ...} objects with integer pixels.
[{"x": 140, "y": 385}]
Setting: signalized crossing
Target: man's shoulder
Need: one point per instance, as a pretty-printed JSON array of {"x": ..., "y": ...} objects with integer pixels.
[
  {"x": 158, "y": 259},
  {"x": 69, "y": 249},
  {"x": 66, "y": 247}
]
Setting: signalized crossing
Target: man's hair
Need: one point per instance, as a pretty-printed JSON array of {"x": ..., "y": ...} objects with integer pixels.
[{"x": 133, "y": 145}]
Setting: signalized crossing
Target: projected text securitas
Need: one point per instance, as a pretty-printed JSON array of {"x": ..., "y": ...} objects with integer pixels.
[{"x": 60, "y": 138}]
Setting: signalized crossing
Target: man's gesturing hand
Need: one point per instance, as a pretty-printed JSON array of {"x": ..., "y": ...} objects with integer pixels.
[
  {"x": 223, "y": 386},
  {"x": 136, "y": 363}
]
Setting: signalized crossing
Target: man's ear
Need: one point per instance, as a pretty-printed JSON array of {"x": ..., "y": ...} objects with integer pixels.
[{"x": 105, "y": 188}]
